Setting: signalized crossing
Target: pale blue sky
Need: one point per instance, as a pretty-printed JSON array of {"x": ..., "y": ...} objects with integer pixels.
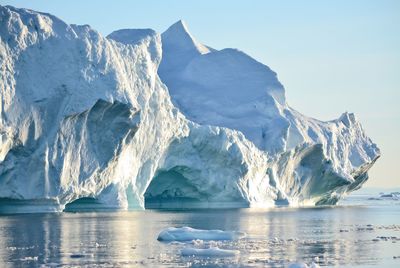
[{"x": 331, "y": 56}]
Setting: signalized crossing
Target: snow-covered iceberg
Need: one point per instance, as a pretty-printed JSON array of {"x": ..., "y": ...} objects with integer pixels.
[{"x": 138, "y": 119}]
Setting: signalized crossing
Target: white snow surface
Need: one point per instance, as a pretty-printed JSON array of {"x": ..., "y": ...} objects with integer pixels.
[
  {"x": 188, "y": 234},
  {"x": 141, "y": 116}
]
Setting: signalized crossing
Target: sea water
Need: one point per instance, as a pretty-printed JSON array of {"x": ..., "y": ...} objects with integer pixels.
[{"x": 360, "y": 232}]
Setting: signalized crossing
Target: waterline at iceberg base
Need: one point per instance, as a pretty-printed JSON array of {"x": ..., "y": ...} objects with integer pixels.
[{"x": 138, "y": 119}]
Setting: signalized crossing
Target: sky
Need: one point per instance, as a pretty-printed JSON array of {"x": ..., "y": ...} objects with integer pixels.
[{"x": 331, "y": 56}]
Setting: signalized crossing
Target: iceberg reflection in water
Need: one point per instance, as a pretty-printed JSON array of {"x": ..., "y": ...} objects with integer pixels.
[{"x": 344, "y": 235}]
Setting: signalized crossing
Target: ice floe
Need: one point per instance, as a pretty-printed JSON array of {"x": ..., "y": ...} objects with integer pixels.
[{"x": 188, "y": 234}]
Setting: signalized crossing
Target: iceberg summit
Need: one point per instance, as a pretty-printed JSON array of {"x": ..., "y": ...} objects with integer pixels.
[{"x": 139, "y": 119}]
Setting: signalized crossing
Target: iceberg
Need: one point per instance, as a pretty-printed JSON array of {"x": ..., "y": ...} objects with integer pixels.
[{"x": 139, "y": 119}]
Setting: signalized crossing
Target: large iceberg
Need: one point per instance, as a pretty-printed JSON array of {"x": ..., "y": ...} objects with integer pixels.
[{"x": 138, "y": 119}]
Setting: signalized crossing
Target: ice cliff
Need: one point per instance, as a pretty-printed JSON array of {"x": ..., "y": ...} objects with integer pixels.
[{"x": 138, "y": 119}]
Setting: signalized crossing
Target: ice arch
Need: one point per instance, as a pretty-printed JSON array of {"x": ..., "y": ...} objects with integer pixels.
[
  {"x": 171, "y": 189},
  {"x": 179, "y": 188}
]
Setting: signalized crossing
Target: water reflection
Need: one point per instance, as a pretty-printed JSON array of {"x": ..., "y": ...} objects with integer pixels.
[{"x": 330, "y": 236}]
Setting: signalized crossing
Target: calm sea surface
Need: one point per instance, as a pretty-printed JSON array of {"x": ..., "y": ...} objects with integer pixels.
[{"x": 358, "y": 233}]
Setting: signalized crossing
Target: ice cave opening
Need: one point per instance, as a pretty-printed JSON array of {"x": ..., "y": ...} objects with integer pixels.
[
  {"x": 170, "y": 189},
  {"x": 84, "y": 204}
]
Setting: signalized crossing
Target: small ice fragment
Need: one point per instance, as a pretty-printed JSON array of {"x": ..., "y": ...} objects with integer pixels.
[
  {"x": 209, "y": 252},
  {"x": 29, "y": 258},
  {"x": 198, "y": 242},
  {"x": 188, "y": 234}
]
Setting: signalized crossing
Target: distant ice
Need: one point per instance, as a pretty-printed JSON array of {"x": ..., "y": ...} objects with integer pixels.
[
  {"x": 188, "y": 234},
  {"x": 393, "y": 195}
]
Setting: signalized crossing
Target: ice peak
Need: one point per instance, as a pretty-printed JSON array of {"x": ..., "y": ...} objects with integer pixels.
[
  {"x": 348, "y": 119},
  {"x": 181, "y": 26},
  {"x": 179, "y": 29},
  {"x": 178, "y": 35}
]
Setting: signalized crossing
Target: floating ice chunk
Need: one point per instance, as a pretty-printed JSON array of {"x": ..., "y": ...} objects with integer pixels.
[
  {"x": 188, "y": 234},
  {"x": 209, "y": 252},
  {"x": 29, "y": 258}
]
